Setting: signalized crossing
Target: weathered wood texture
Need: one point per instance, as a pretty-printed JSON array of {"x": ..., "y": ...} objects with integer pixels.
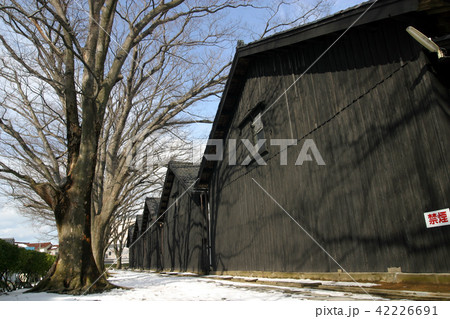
[
  {"x": 184, "y": 235},
  {"x": 144, "y": 238},
  {"x": 145, "y": 252},
  {"x": 131, "y": 252},
  {"x": 135, "y": 244},
  {"x": 154, "y": 251},
  {"x": 151, "y": 237},
  {"x": 377, "y": 114}
]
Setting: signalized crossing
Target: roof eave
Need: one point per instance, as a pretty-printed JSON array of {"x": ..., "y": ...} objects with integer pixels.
[
  {"x": 341, "y": 21},
  {"x": 334, "y": 23}
]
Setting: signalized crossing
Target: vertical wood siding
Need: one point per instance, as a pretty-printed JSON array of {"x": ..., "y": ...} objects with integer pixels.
[
  {"x": 184, "y": 232},
  {"x": 371, "y": 107}
]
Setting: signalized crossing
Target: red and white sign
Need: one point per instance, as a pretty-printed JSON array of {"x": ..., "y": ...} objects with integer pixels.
[{"x": 437, "y": 218}]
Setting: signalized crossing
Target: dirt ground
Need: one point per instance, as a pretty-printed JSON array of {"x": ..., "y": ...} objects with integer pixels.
[{"x": 414, "y": 287}]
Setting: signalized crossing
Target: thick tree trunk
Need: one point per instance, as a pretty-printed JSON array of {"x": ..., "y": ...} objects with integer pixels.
[{"x": 75, "y": 270}]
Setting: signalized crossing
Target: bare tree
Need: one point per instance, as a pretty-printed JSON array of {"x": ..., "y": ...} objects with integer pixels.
[
  {"x": 62, "y": 65},
  {"x": 290, "y": 13},
  {"x": 118, "y": 237},
  {"x": 117, "y": 231},
  {"x": 145, "y": 172},
  {"x": 151, "y": 79},
  {"x": 159, "y": 85},
  {"x": 84, "y": 86}
]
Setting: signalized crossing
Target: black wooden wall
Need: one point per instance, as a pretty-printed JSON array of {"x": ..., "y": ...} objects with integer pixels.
[
  {"x": 135, "y": 245},
  {"x": 372, "y": 107},
  {"x": 145, "y": 245},
  {"x": 184, "y": 232},
  {"x": 154, "y": 246}
]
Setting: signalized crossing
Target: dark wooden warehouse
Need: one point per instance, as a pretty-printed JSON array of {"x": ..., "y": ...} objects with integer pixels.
[
  {"x": 171, "y": 233},
  {"x": 182, "y": 211},
  {"x": 131, "y": 253},
  {"x": 365, "y": 129},
  {"x": 376, "y": 105},
  {"x": 144, "y": 238},
  {"x": 151, "y": 237},
  {"x": 136, "y": 252}
]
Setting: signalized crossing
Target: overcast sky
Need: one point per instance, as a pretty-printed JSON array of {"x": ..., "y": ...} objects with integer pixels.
[{"x": 13, "y": 225}]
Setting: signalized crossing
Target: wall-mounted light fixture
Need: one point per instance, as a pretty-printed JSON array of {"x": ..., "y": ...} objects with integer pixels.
[{"x": 425, "y": 41}]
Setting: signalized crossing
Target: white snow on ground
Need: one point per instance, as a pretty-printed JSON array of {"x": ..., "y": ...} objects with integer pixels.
[{"x": 144, "y": 286}]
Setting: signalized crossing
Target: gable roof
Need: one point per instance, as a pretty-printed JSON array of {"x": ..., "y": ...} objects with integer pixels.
[
  {"x": 137, "y": 228},
  {"x": 130, "y": 236},
  {"x": 150, "y": 211},
  {"x": 336, "y": 23},
  {"x": 186, "y": 173},
  {"x": 151, "y": 205},
  {"x": 139, "y": 219}
]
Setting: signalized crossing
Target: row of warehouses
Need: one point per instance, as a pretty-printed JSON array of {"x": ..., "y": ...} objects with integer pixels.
[{"x": 371, "y": 122}]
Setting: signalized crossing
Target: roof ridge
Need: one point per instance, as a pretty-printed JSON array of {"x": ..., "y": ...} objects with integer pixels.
[{"x": 329, "y": 16}]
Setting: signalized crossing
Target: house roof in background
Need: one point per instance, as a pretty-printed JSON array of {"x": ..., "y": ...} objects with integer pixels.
[
  {"x": 130, "y": 235},
  {"x": 39, "y": 245},
  {"x": 136, "y": 230}
]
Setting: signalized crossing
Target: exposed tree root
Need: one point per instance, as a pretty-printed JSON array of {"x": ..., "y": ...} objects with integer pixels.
[
  {"x": 73, "y": 288},
  {"x": 62, "y": 281}
]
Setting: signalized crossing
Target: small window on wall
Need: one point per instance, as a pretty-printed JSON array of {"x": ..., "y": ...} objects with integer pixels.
[
  {"x": 258, "y": 131},
  {"x": 253, "y": 125}
]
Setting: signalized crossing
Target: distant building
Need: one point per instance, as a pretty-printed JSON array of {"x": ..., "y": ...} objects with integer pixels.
[
  {"x": 54, "y": 250},
  {"x": 183, "y": 232},
  {"x": 144, "y": 244},
  {"x": 41, "y": 247},
  {"x": 47, "y": 247},
  {"x": 171, "y": 233},
  {"x": 110, "y": 256}
]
